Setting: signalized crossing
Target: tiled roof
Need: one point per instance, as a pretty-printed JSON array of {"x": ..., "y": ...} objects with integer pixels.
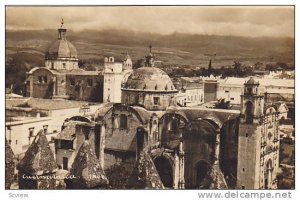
[
  {"x": 144, "y": 174},
  {"x": 217, "y": 115},
  {"x": 87, "y": 169},
  {"x": 149, "y": 79},
  {"x": 68, "y": 133},
  {"x": 61, "y": 49},
  {"x": 39, "y": 158}
]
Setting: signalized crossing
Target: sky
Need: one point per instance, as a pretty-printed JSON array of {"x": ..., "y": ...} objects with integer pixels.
[{"x": 248, "y": 21}]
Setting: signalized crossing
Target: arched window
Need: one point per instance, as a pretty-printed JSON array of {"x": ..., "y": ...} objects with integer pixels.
[
  {"x": 123, "y": 121},
  {"x": 173, "y": 124},
  {"x": 249, "y": 112}
]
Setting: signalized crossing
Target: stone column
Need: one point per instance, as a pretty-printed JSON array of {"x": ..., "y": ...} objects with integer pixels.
[
  {"x": 181, "y": 166},
  {"x": 102, "y": 145},
  {"x": 176, "y": 172},
  {"x": 217, "y": 147}
]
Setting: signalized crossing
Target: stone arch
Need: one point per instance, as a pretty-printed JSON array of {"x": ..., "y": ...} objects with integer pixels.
[
  {"x": 164, "y": 167},
  {"x": 123, "y": 121},
  {"x": 202, "y": 167},
  {"x": 80, "y": 118},
  {"x": 199, "y": 144},
  {"x": 268, "y": 174}
]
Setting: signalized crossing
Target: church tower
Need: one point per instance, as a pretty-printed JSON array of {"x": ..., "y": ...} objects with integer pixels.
[{"x": 249, "y": 147}]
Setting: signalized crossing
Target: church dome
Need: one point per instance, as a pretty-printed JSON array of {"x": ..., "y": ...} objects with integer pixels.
[
  {"x": 251, "y": 81},
  {"x": 149, "y": 79},
  {"x": 61, "y": 48}
]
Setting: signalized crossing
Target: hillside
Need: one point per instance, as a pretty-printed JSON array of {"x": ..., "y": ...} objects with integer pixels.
[
  {"x": 25, "y": 49},
  {"x": 182, "y": 49}
]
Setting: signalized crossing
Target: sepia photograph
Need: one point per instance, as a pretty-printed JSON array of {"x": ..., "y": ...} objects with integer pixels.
[{"x": 138, "y": 97}]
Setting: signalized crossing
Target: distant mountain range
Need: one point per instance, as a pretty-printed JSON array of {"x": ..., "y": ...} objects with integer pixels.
[{"x": 175, "y": 49}]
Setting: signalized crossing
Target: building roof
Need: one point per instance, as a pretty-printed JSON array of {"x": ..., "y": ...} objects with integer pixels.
[
  {"x": 219, "y": 116},
  {"x": 68, "y": 133},
  {"x": 43, "y": 104},
  {"x": 38, "y": 158},
  {"x": 86, "y": 167},
  {"x": 149, "y": 79},
  {"x": 61, "y": 48},
  {"x": 144, "y": 174},
  {"x": 265, "y": 82},
  {"x": 251, "y": 81}
]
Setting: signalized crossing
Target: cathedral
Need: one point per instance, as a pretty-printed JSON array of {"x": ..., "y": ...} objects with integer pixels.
[{"x": 141, "y": 138}]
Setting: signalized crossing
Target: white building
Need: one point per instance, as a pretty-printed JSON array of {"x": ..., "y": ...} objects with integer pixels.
[
  {"x": 231, "y": 88},
  {"x": 115, "y": 73},
  {"x": 27, "y": 116}
]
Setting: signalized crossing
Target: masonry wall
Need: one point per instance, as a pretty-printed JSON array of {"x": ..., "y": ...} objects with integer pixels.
[
  {"x": 42, "y": 81},
  {"x": 84, "y": 87}
]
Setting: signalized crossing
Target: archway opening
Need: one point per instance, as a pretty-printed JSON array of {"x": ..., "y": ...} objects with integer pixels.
[
  {"x": 164, "y": 170},
  {"x": 202, "y": 167},
  {"x": 249, "y": 112},
  {"x": 268, "y": 174}
]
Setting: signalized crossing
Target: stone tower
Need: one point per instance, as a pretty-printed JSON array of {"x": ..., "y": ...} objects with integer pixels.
[
  {"x": 258, "y": 138},
  {"x": 37, "y": 168},
  {"x": 112, "y": 80},
  {"x": 86, "y": 171}
]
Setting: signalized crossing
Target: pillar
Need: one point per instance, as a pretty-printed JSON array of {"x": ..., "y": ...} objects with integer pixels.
[{"x": 181, "y": 166}]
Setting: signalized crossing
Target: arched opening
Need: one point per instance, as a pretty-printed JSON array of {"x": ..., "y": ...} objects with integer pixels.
[
  {"x": 201, "y": 168},
  {"x": 268, "y": 174},
  {"x": 123, "y": 121},
  {"x": 249, "y": 112},
  {"x": 164, "y": 170},
  {"x": 140, "y": 139},
  {"x": 173, "y": 124}
]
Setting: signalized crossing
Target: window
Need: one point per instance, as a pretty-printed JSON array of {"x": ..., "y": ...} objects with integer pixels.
[
  {"x": 173, "y": 124},
  {"x": 16, "y": 141},
  {"x": 31, "y": 132},
  {"x": 52, "y": 65},
  {"x": 44, "y": 79},
  {"x": 65, "y": 163},
  {"x": 123, "y": 121},
  {"x": 231, "y": 98},
  {"x": 72, "y": 81},
  {"x": 64, "y": 65},
  {"x": 156, "y": 100},
  {"x": 45, "y": 128},
  {"x": 226, "y": 91},
  {"x": 90, "y": 82},
  {"x": 40, "y": 79}
]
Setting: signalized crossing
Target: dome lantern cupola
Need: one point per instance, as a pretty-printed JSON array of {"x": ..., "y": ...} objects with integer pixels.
[{"x": 61, "y": 54}]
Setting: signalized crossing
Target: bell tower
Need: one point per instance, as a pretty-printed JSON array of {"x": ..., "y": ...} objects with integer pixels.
[
  {"x": 252, "y": 103},
  {"x": 250, "y": 131}
]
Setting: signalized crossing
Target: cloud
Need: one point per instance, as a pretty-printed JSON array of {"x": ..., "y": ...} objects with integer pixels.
[{"x": 220, "y": 20}]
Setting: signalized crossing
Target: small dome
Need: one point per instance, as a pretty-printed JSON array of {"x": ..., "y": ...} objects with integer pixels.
[
  {"x": 149, "y": 79},
  {"x": 251, "y": 81},
  {"x": 61, "y": 49}
]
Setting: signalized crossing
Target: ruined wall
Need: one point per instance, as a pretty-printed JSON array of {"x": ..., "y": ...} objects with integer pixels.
[
  {"x": 85, "y": 87},
  {"x": 42, "y": 80}
]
